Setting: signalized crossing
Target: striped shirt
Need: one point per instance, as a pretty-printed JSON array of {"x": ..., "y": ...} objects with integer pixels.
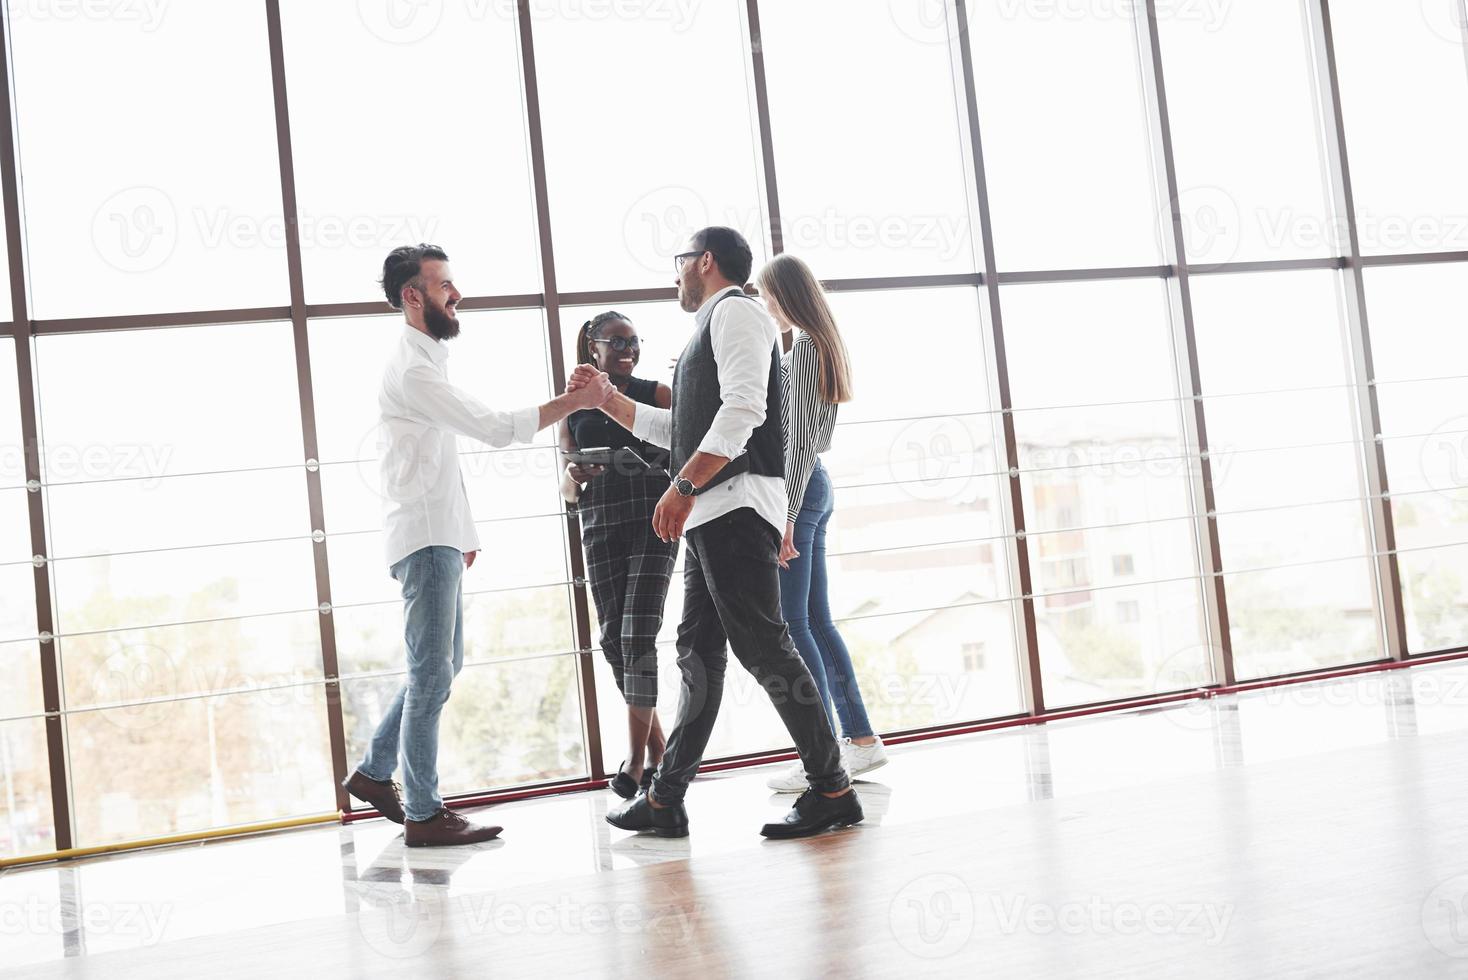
[{"x": 808, "y": 419}]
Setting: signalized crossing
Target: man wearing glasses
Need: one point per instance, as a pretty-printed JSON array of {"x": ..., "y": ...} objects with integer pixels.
[{"x": 728, "y": 498}]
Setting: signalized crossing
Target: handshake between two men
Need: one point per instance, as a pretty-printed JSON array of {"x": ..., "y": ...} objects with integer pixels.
[{"x": 673, "y": 507}]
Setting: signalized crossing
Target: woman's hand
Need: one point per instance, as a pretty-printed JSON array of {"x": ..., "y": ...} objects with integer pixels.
[
  {"x": 787, "y": 547},
  {"x": 584, "y": 474}
]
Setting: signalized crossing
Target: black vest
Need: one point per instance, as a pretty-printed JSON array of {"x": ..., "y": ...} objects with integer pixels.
[{"x": 696, "y": 400}]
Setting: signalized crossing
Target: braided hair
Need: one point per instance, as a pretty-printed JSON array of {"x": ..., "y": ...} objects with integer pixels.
[{"x": 588, "y": 334}]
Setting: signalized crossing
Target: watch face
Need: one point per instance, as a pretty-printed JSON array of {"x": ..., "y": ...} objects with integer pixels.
[{"x": 684, "y": 486}]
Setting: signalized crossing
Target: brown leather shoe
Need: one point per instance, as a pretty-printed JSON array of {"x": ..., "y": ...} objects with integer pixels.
[
  {"x": 446, "y": 829},
  {"x": 387, "y": 797}
]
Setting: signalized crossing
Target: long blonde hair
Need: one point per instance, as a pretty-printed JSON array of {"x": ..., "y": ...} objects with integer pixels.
[{"x": 799, "y": 295}]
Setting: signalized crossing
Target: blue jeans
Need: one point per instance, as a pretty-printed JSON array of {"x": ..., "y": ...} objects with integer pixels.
[
  {"x": 807, "y": 610},
  {"x": 433, "y": 628}
]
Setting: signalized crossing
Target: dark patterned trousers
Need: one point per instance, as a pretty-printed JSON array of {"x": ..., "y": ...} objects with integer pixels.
[{"x": 629, "y": 569}]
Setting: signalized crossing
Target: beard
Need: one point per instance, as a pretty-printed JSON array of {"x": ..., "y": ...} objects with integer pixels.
[
  {"x": 690, "y": 295},
  {"x": 442, "y": 324}
]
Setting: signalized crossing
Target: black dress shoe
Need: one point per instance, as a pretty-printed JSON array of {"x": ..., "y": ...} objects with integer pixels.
[
  {"x": 640, "y": 815},
  {"x": 814, "y": 813},
  {"x": 622, "y": 784}
]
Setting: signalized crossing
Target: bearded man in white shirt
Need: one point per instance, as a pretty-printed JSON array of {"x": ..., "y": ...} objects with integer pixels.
[
  {"x": 728, "y": 500},
  {"x": 430, "y": 535}
]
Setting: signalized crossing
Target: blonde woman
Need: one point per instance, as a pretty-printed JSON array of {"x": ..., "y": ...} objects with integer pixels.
[{"x": 815, "y": 378}]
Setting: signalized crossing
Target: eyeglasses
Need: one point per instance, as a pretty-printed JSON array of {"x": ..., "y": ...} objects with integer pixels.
[
  {"x": 621, "y": 344},
  {"x": 679, "y": 260}
]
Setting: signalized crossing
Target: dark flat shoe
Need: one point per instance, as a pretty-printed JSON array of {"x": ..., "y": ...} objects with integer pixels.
[
  {"x": 640, "y": 815},
  {"x": 814, "y": 813},
  {"x": 623, "y": 785}
]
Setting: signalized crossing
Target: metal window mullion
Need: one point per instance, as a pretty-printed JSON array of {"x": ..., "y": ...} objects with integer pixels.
[
  {"x": 329, "y": 661},
  {"x": 1391, "y": 621},
  {"x": 1031, "y": 679},
  {"x": 762, "y": 110},
  {"x": 46, "y": 647},
  {"x": 1185, "y": 359},
  {"x": 585, "y": 668}
]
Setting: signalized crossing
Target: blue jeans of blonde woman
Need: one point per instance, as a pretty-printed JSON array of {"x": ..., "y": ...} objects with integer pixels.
[
  {"x": 433, "y": 630},
  {"x": 807, "y": 609}
]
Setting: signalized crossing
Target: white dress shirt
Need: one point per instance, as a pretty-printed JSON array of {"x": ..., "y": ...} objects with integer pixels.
[
  {"x": 424, "y": 502},
  {"x": 743, "y": 337}
]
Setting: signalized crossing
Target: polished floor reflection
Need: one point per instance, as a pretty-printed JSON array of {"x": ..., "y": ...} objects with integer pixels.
[{"x": 1299, "y": 830}]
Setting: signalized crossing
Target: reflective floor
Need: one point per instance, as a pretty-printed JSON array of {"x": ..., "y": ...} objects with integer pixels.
[{"x": 1071, "y": 793}]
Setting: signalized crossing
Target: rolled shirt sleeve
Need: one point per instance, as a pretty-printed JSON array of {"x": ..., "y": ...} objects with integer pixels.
[
  {"x": 654, "y": 425},
  {"x": 459, "y": 412},
  {"x": 743, "y": 339}
]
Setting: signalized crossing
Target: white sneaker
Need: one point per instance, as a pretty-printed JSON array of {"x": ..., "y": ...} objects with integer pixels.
[
  {"x": 791, "y": 779},
  {"x": 861, "y": 759}
]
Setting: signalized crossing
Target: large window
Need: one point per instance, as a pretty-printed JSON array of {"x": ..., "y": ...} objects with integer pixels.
[
  {"x": 1104, "y": 474},
  {"x": 1282, "y": 431},
  {"x": 158, "y": 191},
  {"x": 649, "y": 135},
  {"x": 849, "y": 142},
  {"x": 1420, "y": 349},
  {"x": 208, "y": 472},
  {"x": 1250, "y": 161},
  {"x": 432, "y": 150},
  {"x": 1065, "y": 137},
  {"x": 1405, "y": 91}
]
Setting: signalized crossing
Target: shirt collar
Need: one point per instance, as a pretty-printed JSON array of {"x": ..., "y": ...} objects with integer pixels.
[
  {"x": 710, "y": 300},
  {"x": 436, "y": 350}
]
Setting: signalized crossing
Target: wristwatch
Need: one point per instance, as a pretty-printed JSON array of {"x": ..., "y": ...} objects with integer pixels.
[{"x": 684, "y": 486}]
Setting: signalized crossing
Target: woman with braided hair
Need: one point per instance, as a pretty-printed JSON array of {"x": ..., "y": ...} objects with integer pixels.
[{"x": 627, "y": 564}]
